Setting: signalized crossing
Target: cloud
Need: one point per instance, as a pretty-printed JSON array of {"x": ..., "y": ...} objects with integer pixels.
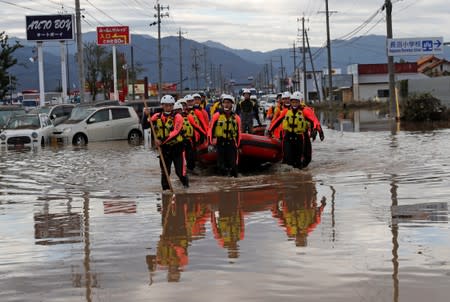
[{"x": 253, "y": 24}]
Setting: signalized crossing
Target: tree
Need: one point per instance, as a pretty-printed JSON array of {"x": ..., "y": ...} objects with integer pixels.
[
  {"x": 94, "y": 57},
  {"x": 6, "y": 61}
]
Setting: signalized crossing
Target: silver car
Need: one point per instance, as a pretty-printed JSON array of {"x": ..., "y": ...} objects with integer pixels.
[
  {"x": 93, "y": 124},
  {"x": 30, "y": 130}
]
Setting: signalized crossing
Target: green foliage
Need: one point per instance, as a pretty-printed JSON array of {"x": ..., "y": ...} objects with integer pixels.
[
  {"x": 95, "y": 57},
  {"x": 6, "y": 61},
  {"x": 422, "y": 107}
]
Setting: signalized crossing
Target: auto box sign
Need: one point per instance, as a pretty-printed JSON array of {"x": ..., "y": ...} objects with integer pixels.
[
  {"x": 49, "y": 27},
  {"x": 113, "y": 35}
]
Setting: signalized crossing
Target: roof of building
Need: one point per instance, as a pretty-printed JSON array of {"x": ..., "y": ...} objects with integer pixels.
[{"x": 383, "y": 68}]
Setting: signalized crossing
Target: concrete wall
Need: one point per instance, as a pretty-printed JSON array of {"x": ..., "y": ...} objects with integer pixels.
[{"x": 439, "y": 87}]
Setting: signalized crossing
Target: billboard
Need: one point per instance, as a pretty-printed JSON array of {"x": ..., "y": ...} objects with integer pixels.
[
  {"x": 50, "y": 27},
  {"x": 113, "y": 35}
]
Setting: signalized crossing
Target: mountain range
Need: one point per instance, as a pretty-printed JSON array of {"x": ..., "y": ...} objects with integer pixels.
[{"x": 237, "y": 64}]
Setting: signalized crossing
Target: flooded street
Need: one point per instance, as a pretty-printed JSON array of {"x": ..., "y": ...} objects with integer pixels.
[{"x": 366, "y": 221}]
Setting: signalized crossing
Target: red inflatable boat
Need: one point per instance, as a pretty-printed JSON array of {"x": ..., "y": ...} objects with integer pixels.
[{"x": 253, "y": 148}]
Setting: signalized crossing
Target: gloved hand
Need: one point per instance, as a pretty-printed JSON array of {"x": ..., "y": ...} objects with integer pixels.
[
  {"x": 321, "y": 135},
  {"x": 314, "y": 134}
]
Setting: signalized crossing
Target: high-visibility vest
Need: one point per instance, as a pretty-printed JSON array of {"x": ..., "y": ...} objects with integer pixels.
[
  {"x": 163, "y": 130},
  {"x": 295, "y": 123},
  {"x": 188, "y": 129},
  {"x": 226, "y": 128}
]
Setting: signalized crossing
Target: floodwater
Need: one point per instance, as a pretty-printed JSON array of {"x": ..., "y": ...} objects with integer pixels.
[{"x": 366, "y": 221}]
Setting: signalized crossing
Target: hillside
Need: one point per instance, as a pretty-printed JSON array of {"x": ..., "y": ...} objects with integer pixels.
[{"x": 238, "y": 64}]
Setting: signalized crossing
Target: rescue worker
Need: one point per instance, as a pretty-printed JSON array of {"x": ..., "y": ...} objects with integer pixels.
[
  {"x": 271, "y": 111},
  {"x": 294, "y": 128},
  {"x": 215, "y": 106},
  {"x": 284, "y": 106},
  {"x": 168, "y": 136},
  {"x": 146, "y": 126},
  {"x": 194, "y": 104},
  {"x": 247, "y": 109},
  {"x": 192, "y": 133},
  {"x": 203, "y": 101},
  {"x": 310, "y": 116},
  {"x": 225, "y": 134}
]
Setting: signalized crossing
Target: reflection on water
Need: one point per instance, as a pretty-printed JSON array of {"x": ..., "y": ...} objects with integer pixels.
[
  {"x": 184, "y": 218},
  {"x": 363, "y": 120},
  {"x": 367, "y": 221}
]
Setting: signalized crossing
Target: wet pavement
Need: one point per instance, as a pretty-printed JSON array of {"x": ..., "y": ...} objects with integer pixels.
[{"x": 366, "y": 221}]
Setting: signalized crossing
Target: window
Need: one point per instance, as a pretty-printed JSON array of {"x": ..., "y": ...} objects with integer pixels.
[
  {"x": 120, "y": 113},
  {"x": 383, "y": 93},
  {"x": 58, "y": 112},
  {"x": 67, "y": 110},
  {"x": 101, "y": 116}
]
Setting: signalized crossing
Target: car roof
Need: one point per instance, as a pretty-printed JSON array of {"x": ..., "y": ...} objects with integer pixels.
[{"x": 10, "y": 108}]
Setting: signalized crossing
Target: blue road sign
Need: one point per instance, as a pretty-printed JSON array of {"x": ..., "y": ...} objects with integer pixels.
[{"x": 415, "y": 46}]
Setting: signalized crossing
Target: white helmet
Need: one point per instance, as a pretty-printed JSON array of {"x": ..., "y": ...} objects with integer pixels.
[
  {"x": 253, "y": 97},
  {"x": 167, "y": 99},
  {"x": 182, "y": 101},
  {"x": 297, "y": 95},
  {"x": 227, "y": 97},
  {"x": 188, "y": 97},
  {"x": 286, "y": 95},
  {"x": 196, "y": 95},
  {"x": 178, "y": 105},
  {"x": 246, "y": 90}
]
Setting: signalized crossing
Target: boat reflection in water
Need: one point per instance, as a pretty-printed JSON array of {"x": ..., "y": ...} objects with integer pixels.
[{"x": 185, "y": 218}]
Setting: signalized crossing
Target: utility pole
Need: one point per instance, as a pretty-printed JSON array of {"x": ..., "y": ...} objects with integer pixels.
[
  {"x": 282, "y": 86},
  {"x": 80, "y": 55},
  {"x": 295, "y": 67},
  {"x": 391, "y": 67},
  {"x": 220, "y": 78},
  {"x": 133, "y": 75},
  {"x": 158, "y": 9},
  {"x": 205, "y": 68},
  {"x": 196, "y": 67},
  {"x": 305, "y": 80},
  {"x": 312, "y": 66},
  {"x": 181, "y": 62},
  {"x": 330, "y": 77},
  {"x": 271, "y": 74}
]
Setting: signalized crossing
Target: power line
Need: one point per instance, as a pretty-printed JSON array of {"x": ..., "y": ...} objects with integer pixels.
[
  {"x": 20, "y": 6},
  {"x": 101, "y": 11}
]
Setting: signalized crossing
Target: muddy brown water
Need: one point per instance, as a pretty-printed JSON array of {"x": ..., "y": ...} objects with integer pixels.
[{"x": 366, "y": 221}]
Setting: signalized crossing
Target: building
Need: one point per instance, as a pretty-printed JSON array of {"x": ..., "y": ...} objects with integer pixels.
[
  {"x": 371, "y": 81},
  {"x": 433, "y": 66}
]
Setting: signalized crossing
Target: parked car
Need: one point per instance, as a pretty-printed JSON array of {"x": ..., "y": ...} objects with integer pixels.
[
  {"x": 57, "y": 113},
  {"x": 91, "y": 124},
  {"x": 30, "y": 104},
  {"x": 30, "y": 130},
  {"x": 7, "y": 111}
]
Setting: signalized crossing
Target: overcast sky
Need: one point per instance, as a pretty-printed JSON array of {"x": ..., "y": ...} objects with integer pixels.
[{"x": 253, "y": 24}]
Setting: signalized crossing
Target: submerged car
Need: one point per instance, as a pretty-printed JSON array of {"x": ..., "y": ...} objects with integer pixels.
[
  {"x": 57, "y": 113},
  {"x": 6, "y": 112},
  {"x": 30, "y": 130},
  {"x": 93, "y": 124}
]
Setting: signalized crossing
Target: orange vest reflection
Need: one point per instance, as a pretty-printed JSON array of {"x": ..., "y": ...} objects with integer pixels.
[
  {"x": 227, "y": 222},
  {"x": 172, "y": 246},
  {"x": 185, "y": 220},
  {"x": 298, "y": 213}
]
